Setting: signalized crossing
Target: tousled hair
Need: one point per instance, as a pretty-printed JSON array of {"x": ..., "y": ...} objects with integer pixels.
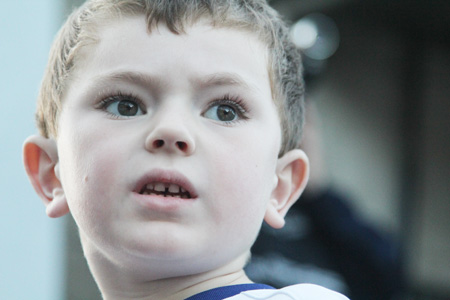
[{"x": 256, "y": 16}]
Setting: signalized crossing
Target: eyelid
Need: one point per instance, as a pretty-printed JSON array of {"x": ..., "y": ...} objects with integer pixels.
[
  {"x": 235, "y": 102},
  {"x": 118, "y": 96}
]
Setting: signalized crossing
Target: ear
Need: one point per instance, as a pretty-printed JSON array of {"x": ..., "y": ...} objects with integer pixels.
[
  {"x": 40, "y": 158},
  {"x": 292, "y": 174}
]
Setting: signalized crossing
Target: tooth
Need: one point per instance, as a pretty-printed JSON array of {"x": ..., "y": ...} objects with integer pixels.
[
  {"x": 149, "y": 186},
  {"x": 174, "y": 189},
  {"x": 160, "y": 187},
  {"x": 182, "y": 190}
]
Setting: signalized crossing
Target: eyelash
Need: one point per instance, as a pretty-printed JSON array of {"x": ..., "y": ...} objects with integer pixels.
[
  {"x": 106, "y": 100},
  {"x": 227, "y": 99},
  {"x": 233, "y": 101}
]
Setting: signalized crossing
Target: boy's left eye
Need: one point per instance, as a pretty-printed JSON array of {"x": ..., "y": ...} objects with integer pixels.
[
  {"x": 221, "y": 112},
  {"x": 226, "y": 110}
]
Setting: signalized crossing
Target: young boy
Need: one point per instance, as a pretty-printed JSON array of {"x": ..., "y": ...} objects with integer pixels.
[{"x": 169, "y": 130}]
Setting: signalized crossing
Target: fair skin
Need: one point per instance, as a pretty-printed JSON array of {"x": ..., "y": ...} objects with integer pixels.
[{"x": 190, "y": 113}]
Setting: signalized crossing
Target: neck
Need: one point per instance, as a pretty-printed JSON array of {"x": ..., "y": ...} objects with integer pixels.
[{"x": 120, "y": 282}]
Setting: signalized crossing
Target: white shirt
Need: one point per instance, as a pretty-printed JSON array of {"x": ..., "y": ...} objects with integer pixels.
[{"x": 293, "y": 292}]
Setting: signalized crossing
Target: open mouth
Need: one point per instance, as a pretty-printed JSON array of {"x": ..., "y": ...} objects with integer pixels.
[
  {"x": 165, "y": 190},
  {"x": 166, "y": 183}
]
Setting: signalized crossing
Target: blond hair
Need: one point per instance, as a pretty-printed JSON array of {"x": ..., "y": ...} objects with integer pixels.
[{"x": 285, "y": 69}]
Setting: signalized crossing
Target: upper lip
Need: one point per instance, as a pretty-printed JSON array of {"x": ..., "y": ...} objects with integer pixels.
[{"x": 166, "y": 177}]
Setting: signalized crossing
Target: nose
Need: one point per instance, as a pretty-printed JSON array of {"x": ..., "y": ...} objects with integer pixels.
[{"x": 170, "y": 137}]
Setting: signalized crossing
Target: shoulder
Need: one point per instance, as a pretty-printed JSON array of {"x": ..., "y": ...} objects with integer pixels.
[{"x": 293, "y": 292}]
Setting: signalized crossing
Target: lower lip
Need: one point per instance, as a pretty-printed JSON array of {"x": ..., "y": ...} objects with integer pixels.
[{"x": 161, "y": 203}]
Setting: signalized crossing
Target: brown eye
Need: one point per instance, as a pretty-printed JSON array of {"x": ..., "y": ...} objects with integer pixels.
[
  {"x": 221, "y": 112},
  {"x": 127, "y": 108},
  {"x": 226, "y": 113},
  {"x": 122, "y": 107}
]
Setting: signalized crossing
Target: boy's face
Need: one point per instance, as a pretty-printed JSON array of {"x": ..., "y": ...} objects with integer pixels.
[{"x": 168, "y": 144}]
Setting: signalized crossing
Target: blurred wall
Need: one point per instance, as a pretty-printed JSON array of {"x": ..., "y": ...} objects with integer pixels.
[
  {"x": 384, "y": 96},
  {"x": 358, "y": 98},
  {"x": 31, "y": 245},
  {"x": 429, "y": 230}
]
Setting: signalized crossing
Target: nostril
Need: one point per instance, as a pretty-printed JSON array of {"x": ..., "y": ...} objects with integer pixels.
[
  {"x": 182, "y": 146},
  {"x": 170, "y": 145},
  {"x": 158, "y": 143}
]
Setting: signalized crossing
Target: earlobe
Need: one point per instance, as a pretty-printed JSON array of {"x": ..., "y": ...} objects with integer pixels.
[
  {"x": 40, "y": 157},
  {"x": 58, "y": 206},
  {"x": 292, "y": 175},
  {"x": 273, "y": 216}
]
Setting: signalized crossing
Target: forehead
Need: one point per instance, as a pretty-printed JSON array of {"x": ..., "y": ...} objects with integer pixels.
[{"x": 201, "y": 47}]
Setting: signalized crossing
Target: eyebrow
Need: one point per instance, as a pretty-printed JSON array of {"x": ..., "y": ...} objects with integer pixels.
[
  {"x": 212, "y": 80},
  {"x": 223, "y": 79},
  {"x": 134, "y": 77}
]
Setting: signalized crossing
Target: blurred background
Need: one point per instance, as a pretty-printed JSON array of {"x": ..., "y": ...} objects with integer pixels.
[{"x": 378, "y": 72}]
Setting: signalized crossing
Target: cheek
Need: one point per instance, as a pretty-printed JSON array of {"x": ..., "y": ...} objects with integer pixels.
[
  {"x": 241, "y": 198},
  {"x": 89, "y": 171},
  {"x": 245, "y": 174}
]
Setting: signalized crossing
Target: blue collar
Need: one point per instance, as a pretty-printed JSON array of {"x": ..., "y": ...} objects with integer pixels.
[{"x": 228, "y": 291}]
